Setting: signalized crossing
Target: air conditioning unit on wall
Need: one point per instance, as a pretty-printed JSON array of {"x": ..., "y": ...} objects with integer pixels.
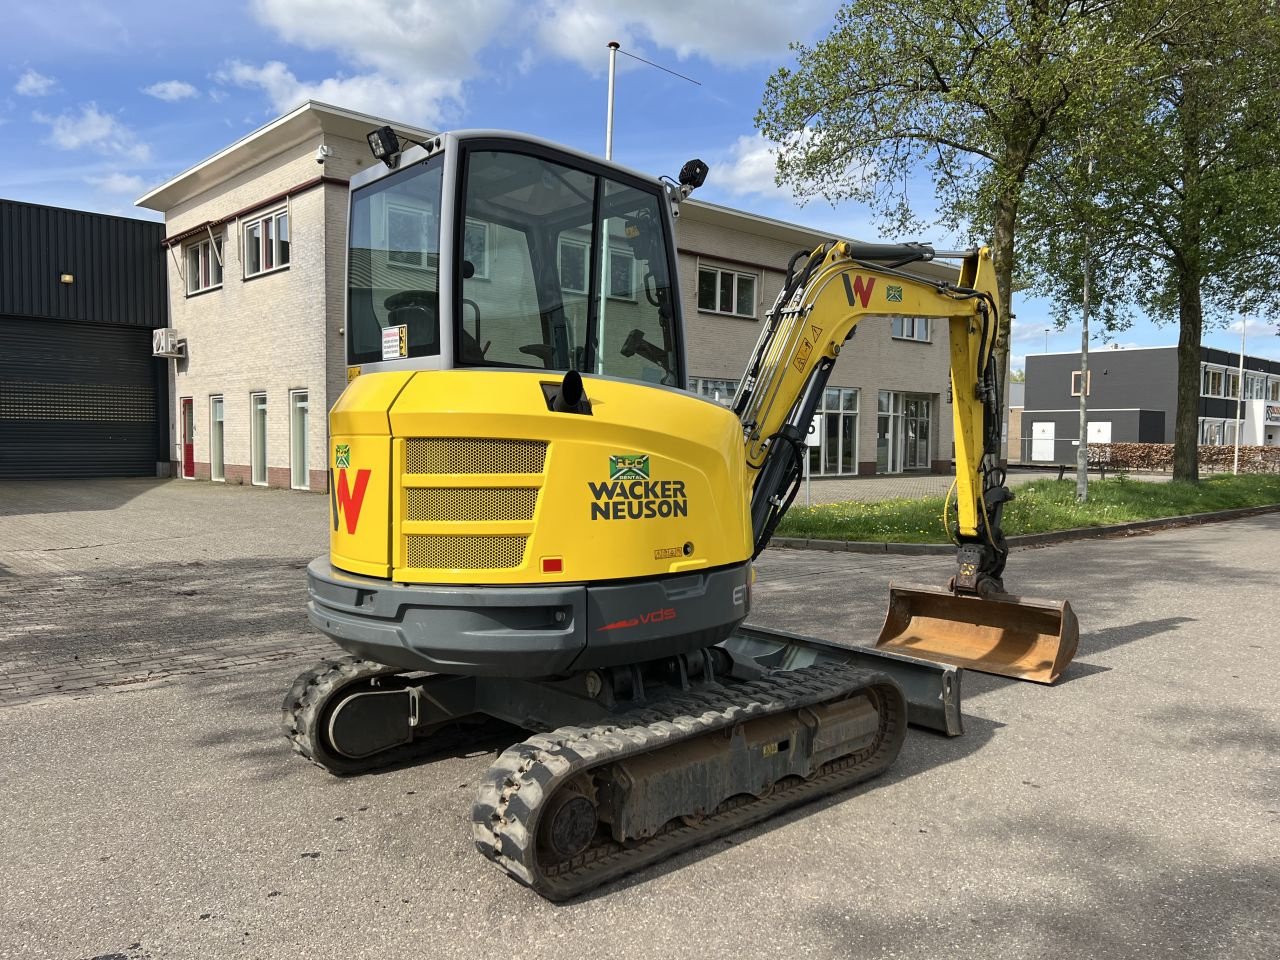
[{"x": 165, "y": 342}]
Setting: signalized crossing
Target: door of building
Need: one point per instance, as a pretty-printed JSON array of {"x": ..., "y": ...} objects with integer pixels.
[
  {"x": 903, "y": 432},
  {"x": 78, "y": 400},
  {"x": 1042, "y": 441},
  {"x": 188, "y": 438},
  {"x": 915, "y": 433}
]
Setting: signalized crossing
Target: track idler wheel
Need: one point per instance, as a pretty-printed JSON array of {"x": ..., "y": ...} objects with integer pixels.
[{"x": 317, "y": 698}]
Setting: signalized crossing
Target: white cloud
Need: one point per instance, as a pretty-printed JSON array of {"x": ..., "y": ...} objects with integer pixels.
[
  {"x": 90, "y": 128},
  {"x": 730, "y": 33},
  {"x": 410, "y": 58},
  {"x": 171, "y": 90},
  {"x": 117, "y": 182},
  {"x": 33, "y": 84},
  {"x": 1254, "y": 327},
  {"x": 748, "y": 169},
  {"x": 414, "y": 101}
]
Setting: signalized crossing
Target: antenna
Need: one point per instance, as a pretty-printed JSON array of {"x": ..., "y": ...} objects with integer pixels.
[{"x": 614, "y": 49}]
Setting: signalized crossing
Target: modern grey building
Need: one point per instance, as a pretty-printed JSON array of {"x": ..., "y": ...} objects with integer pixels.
[
  {"x": 80, "y": 393},
  {"x": 1132, "y": 395}
]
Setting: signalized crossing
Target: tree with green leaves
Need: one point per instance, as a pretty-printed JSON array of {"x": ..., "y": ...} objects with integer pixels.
[
  {"x": 1181, "y": 216},
  {"x": 973, "y": 92}
]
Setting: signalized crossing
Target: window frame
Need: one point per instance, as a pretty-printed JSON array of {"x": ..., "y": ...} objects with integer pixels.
[
  {"x": 273, "y": 216},
  {"x": 1075, "y": 383},
  {"x": 582, "y": 247},
  {"x": 253, "y": 426},
  {"x": 737, "y": 275},
  {"x": 221, "y": 401},
  {"x": 1207, "y": 375},
  {"x": 901, "y": 322},
  {"x": 481, "y": 269},
  {"x": 294, "y": 395},
  {"x": 708, "y": 387},
  {"x": 630, "y": 295},
  {"x": 208, "y": 252}
]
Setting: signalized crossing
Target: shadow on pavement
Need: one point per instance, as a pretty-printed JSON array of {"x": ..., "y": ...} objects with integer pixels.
[
  {"x": 74, "y": 496},
  {"x": 1125, "y": 898}
]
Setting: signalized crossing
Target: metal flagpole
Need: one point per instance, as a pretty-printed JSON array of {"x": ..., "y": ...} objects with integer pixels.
[
  {"x": 1235, "y": 469},
  {"x": 1082, "y": 449},
  {"x": 608, "y": 125}
]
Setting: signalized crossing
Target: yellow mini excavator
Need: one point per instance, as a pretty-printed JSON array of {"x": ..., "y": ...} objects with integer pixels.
[{"x": 533, "y": 520}]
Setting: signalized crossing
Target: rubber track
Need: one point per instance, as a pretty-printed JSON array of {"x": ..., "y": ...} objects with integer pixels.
[
  {"x": 304, "y": 710},
  {"x": 514, "y": 791}
]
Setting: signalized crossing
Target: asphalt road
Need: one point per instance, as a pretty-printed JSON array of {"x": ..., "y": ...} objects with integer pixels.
[{"x": 149, "y": 807}]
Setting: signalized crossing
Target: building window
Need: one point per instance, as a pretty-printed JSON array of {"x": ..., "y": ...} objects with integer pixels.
[
  {"x": 475, "y": 248},
  {"x": 299, "y": 473},
  {"x": 1255, "y": 387},
  {"x": 258, "y": 438},
  {"x": 622, "y": 275},
  {"x": 573, "y": 266},
  {"x": 1233, "y": 385},
  {"x": 911, "y": 328},
  {"x": 217, "y": 456},
  {"x": 837, "y": 451},
  {"x": 1211, "y": 432},
  {"x": 1212, "y": 385},
  {"x": 721, "y": 391},
  {"x": 726, "y": 291},
  {"x": 1273, "y": 390},
  {"x": 204, "y": 265},
  {"x": 1075, "y": 383},
  {"x": 266, "y": 243}
]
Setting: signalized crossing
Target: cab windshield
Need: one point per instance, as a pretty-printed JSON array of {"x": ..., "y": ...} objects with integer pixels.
[
  {"x": 393, "y": 266},
  {"x": 562, "y": 269}
]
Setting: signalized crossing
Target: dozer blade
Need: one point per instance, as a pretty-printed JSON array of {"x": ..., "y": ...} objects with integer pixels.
[{"x": 1001, "y": 634}]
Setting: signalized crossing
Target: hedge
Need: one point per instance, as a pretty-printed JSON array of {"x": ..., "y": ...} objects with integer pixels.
[{"x": 1159, "y": 456}]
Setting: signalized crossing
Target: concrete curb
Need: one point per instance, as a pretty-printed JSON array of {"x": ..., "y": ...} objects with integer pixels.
[{"x": 1028, "y": 540}]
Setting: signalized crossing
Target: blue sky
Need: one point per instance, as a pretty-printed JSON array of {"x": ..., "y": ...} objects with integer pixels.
[{"x": 100, "y": 102}]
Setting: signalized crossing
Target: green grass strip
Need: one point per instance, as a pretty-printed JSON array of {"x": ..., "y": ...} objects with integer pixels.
[{"x": 1042, "y": 506}]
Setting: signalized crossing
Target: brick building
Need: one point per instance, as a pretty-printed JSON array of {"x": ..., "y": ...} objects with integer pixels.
[
  {"x": 1132, "y": 395},
  {"x": 256, "y": 236}
]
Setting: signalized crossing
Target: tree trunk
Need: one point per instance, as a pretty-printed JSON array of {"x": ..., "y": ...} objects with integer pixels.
[
  {"x": 1186, "y": 430},
  {"x": 1006, "y": 214}
]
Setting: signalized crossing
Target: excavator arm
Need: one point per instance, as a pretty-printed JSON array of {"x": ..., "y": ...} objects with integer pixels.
[
  {"x": 818, "y": 311},
  {"x": 827, "y": 293}
]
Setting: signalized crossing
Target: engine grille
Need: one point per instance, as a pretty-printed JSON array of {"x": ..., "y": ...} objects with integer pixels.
[
  {"x": 464, "y": 551},
  {"x": 451, "y": 504},
  {"x": 468, "y": 455}
]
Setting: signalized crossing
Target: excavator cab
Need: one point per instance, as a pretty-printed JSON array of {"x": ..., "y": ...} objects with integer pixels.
[{"x": 484, "y": 250}]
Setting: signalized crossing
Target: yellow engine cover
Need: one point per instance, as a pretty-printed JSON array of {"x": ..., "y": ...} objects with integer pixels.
[{"x": 466, "y": 477}]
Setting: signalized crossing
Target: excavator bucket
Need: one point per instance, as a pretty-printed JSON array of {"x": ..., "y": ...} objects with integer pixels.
[{"x": 1002, "y": 634}]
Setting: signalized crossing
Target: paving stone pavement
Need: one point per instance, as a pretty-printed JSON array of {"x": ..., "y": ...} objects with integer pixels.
[
  {"x": 1121, "y": 813},
  {"x": 114, "y": 583}
]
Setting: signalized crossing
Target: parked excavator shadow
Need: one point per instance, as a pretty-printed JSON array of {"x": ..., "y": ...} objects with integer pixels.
[{"x": 1095, "y": 642}]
